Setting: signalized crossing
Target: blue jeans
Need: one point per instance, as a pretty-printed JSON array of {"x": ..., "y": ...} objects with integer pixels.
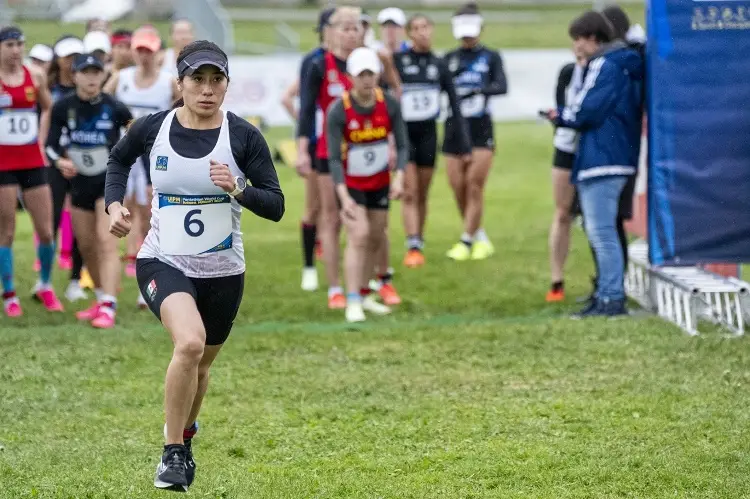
[{"x": 600, "y": 199}]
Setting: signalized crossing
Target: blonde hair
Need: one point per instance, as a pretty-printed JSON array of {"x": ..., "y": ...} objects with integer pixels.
[{"x": 346, "y": 13}]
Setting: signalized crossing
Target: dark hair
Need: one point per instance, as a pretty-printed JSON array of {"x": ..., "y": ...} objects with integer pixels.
[
  {"x": 53, "y": 74},
  {"x": 417, "y": 17},
  {"x": 591, "y": 24},
  {"x": 195, "y": 47},
  {"x": 468, "y": 9},
  {"x": 619, "y": 20},
  {"x": 122, "y": 32}
]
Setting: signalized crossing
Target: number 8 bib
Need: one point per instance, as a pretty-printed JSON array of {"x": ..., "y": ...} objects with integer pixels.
[{"x": 194, "y": 225}]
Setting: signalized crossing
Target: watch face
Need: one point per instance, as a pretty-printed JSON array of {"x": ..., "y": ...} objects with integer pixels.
[{"x": 241, "y": 183}]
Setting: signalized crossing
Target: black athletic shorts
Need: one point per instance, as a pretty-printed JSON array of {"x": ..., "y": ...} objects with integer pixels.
[
  {"x": 84, "y": 191},
  {"x": 25, "y": 179},
  {"x": 218, "y": 298},
  {"x": 481, "y": 130},
  {"x": 422, "y": 143},
  {"x": 372, "y": 200},
  {"x": 320, "y": 165},
  {"x": 563, "y": 159}
]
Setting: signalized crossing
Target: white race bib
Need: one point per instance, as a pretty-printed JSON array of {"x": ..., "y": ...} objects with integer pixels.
[
  {"x": 193, "y": 225},
  {"x": 140, "y": 112},
  {"x": 473, "y": 106},
  {"x": 335, "y": 89},
  {"x": 18, "y": 127},
  {"x": 420, "y": 104},
  {"x": 318, "y": 122},
  {"x": 365, "y": 160},
  {"x": 89, "y": 161}
]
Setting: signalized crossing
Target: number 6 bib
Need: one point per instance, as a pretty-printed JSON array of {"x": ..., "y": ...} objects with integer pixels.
[{"x": 194, "y": 225}]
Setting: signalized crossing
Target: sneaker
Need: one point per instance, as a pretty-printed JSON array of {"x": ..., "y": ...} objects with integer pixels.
[
  {"x": 142, "y": 305},
  {"x": 459, "y": 252},
  {"x": 309, "y": 279},
  {"x": 65, "y": 262},
  {"x": 47, "y": 297},
  {"x": 189, "y": 461},
  {"x": 599, "y": 308},
  {"x": 389, "y": 295},
  {"x": 337, "y": 301},
  {"x": 89, "y": 314},
  {"x": 130, "y": 269},
  {"x": 86, "y": 281},
  {"x": 481, "y": 250},
  {"x": 74, "y": 292},
  {"x": 555, "y": 295},
  {"x": 414, "y": 258},
  {"x": 170, "y": 473},
  {"x": 355, "y": 312},
  {"x": 369, "y": 304},
  {"x": 105, "y": 318},
  {"x": 12, "y": 307}
]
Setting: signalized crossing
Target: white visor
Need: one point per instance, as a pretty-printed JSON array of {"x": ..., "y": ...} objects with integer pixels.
[
  {"x": 466, "y": 26},
  {"x": 392, "y": 14},
  {"x": 69, "y": 46},
  {"x": 97, "y": 40},
  {"x": 41, "y": 53},
  {"x": 363, "y": 59}
]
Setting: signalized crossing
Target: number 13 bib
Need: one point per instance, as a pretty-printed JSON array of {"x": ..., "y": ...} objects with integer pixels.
[{"x": 194, "y": 225}]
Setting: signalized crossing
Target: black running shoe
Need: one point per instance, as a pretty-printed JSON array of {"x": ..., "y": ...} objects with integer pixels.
[
  {"x": 170, "y": 474},
  {"x": 189, "y": 462}
]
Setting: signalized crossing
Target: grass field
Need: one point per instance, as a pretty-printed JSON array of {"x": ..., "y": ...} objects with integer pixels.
[
  {"x": 548, "y": 28},
  {"x": 473, "y": 388}
]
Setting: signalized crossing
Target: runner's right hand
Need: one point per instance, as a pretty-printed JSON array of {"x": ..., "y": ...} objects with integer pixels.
[
  {"x": 119, "y": 220},
  {"x": 66, "y": 167},
  {"x": 303, "y": 164}
]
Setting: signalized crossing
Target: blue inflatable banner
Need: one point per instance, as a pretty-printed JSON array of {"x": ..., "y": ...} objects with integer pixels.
[{"x": 698, "y": 72}]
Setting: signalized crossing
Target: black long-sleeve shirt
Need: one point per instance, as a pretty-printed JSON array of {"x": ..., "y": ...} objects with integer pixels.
[
  {"x": 308, "y": 94},
  {"x": 263, "y": 194},
  {"x": 477, "y": 71}
]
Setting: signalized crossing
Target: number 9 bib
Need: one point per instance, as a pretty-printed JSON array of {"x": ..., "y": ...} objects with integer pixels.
[{"x": 194, "y": 225}]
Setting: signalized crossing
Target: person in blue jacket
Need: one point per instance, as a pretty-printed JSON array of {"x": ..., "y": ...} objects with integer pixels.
[{"x": 608, "y": 113}]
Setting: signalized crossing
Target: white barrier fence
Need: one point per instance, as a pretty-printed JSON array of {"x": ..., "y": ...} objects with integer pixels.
[{"x": 259, "y": 82}]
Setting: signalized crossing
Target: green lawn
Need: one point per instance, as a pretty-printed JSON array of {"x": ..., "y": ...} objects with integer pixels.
[
  {"x": 473, "y": 388},
  {"x": 548, "y": 29}
]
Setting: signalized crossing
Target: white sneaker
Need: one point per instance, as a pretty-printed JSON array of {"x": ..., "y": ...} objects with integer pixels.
[
  {"x": 309, "y": 279},
  {"x": 75, "y": 292},
  {"x": 354, "y": 312},
  {"x": 142, "y": 302},
  {"x": 376, "y": 308},
  {"x": 374, "y": 285}
]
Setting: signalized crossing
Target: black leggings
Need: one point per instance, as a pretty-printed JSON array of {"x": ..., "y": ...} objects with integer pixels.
[{"x": 60, "y": 187}]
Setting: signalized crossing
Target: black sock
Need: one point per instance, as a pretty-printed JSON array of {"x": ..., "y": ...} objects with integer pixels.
[
  {"x": 75, "y": 272},
  {"x": 309, "y": 234},
  {"x": 385, "y": 278},
  {"x": 558, "y": 286}
]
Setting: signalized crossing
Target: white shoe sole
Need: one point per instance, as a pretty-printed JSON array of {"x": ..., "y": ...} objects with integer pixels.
[{"x": 165, "y": 485}]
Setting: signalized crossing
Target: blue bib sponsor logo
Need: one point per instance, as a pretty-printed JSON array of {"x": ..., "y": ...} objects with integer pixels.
[{"x": 161, "y": 163}]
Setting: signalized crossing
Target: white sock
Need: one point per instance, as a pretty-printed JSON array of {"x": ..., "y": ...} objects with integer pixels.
[
  {"x": 334, "y": 290},
  {"x": 108, "y": 298},
  {"x": 481, "y": 235},
  {"x": 466, "y": 238},
  {"x": 99, "y": 294}
]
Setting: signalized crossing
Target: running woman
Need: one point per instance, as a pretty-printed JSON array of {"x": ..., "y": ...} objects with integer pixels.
[
  {"x": 424, "y": 77},
  {"x": 22, "y": 166},
  {"x": 327, "y": 80},
  {"x": 478, "y": 75},
  {"x": 206, "y": 165},
  {"x": 357, "y": 126},
  {"x": 309, "y": 223},
  {"x": 145, "y": 88},
  {"x": 92, "y": 121}
]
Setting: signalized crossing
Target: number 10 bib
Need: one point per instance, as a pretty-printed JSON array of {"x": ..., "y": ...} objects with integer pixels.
[
  {"x": 194, "y": 225},
  {"x": 18, "y": 127}
]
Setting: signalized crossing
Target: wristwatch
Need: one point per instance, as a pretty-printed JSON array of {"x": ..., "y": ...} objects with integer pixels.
[{"x": 239, "y": 186}]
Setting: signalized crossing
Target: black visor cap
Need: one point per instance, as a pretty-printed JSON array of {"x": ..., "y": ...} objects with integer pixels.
[{"x": 194, "y": 61}]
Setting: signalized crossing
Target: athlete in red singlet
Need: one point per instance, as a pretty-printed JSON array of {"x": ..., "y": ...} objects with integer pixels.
[
  {"x": 327, "y": 80},
  {"x": 22, "y": 165}
]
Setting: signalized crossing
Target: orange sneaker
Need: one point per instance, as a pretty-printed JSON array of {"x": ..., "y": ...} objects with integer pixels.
[
  {"x": 337, "y": 301},
  {"x": 414, "y": 258},
  {"x": 389, "y": 295},
  {"x": 554, "y": 296}
]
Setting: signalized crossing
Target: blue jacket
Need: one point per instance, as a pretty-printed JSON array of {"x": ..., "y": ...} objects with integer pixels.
[{"x": 608, "y": 112}]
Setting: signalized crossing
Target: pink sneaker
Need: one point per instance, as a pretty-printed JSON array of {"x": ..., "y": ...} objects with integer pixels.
[
  {"x": 89, "y": 314},
  {"x": 49, "y": 300},
  {"x": 130, "y": 270},
  {"x": 13, "y": 308},
  {"x": 105, "y": 319},
  {"x": 65, "y": 262}
]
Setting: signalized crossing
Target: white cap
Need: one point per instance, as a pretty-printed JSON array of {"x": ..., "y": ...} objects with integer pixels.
[
  {"x": 392, "y": 14},
  {"x": 41, "y": 52},
  {"x": 362, "y": 59},
  {"x": 97, "y": 40},
  {"x": 466, "y": 26},
  {"x": 69, "y": 46}
]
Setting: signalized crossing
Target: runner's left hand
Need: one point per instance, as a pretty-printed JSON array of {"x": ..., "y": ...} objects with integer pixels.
[
  {"x": 397, "y": 185},
  {"x": 221, "y": 176}
]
